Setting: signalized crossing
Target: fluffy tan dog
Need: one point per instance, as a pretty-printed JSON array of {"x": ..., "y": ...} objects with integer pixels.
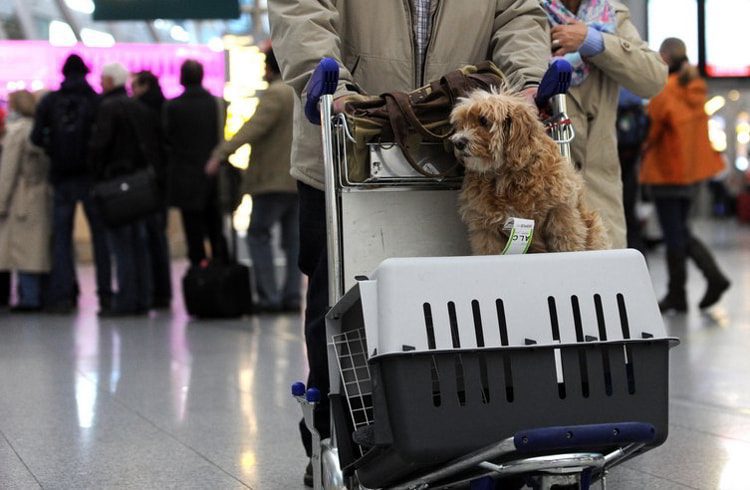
[{"x": 513, "y": 169}]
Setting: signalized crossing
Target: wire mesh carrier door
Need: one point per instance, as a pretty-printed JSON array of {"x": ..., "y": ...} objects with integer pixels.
[{"x": 439, "y": 357}]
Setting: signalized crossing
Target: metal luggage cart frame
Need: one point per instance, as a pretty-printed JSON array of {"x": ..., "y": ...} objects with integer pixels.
[{"x": 526, "y": 453}]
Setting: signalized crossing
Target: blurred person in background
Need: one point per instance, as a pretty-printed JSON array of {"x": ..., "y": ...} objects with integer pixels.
[
  {"x": 193, "y": 124},
  {"x": 678, "y": 157},
  {"x": 273, "y": 190},
  {"x": 606, "y": 51},
  {"x": 4, "y": 275},
  {"x": 63, "y": 128},
  {"x": 146, "y": 89},
  {"x": 25, "y": 205},
  {"x": 632, "y": 129},
  {"x": 123, "y": 141}
]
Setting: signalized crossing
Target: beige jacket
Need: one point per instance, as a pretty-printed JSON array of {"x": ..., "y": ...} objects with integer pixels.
[
  {"x": 269, "y": 133},
  {"x": 373, "y": 42},
  {"x": 627, "y": 61},
  {"x": 25, "y": 202}
]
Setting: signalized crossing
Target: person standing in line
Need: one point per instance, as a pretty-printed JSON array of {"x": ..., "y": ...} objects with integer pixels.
[
  {"x": 193, "y": 122},
  {"x": 146, "y": 90},
  {"x": 632, "y": 129},
  {"x": 25, "y": 205},
  {"x": 606, "y": 52},
  {"x": 273, "y": 190},
  {"x": 121, "y": 144},
  {"x": 63, "y": 128},
  {"x": 381, "y": 47},
  {"x": 677, "y": 159}
]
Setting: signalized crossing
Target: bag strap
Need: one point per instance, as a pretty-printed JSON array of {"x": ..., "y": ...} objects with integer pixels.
[
  {"x": 407, "y": 111},
  {"x": 400, "y": 129}
]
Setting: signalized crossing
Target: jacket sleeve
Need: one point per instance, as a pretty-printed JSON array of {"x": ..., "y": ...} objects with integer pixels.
[
  {"x": 303, "y": 32},
  {"x": 659, "y": 114},
  {"x": 520, "y": 41},
  {"x": 101, "y": 138},
  {"x": 628, "y": 60},
  {"x": 9, "y": 167},
  {"x": 260, "y": 124}
]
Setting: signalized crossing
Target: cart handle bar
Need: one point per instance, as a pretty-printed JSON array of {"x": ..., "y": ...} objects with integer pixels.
[
  {"x": 323, "y": 81},
  {"x": 556, "y": 81},
  {"x": 583, "y": 436}
]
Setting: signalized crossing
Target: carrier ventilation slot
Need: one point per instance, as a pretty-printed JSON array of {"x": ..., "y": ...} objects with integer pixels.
[
  {"x": 507, "y": 368},
  {"x": 554, "y": 323},
  {"x": 429, "y": 326},
  {"x": 582, "y": 362},
  {"x": 460, "y": 382},
  {"x": 626, "y": 348},
  {"x": 454, "y": 325},
  {"x": 605, "y": 351},
  {"x": 436, "y": 400},
  {"x": 477, "y": 313}
]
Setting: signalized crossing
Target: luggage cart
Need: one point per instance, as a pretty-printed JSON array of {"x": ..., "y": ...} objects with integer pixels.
[{"x": 451, "y": 371}]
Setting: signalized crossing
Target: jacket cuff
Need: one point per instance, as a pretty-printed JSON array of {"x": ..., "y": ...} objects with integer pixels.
[{"x": 593, "y": 44}]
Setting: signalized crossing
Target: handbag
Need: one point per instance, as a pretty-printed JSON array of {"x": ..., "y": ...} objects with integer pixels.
[
  {"x": 130, "y": 197},
  {"x": 409, "y": 119}
]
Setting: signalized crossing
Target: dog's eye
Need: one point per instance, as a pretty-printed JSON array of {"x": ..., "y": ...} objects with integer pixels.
[{"x": 483, "y": 121}]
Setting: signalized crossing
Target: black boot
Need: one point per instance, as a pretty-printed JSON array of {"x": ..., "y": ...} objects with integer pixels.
[
  {"x": 676, "y": 299},
  {"x": 717, "y": 281}
]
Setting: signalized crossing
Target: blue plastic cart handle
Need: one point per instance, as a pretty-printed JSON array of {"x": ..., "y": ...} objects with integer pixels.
[
  {"x": 583, "y": 436},
  {"x": 324, "y": 81},
  {"x": 313, "y": 395},
  {"x": 298, "y": 389},
  {"x": 555, "y": 81}
]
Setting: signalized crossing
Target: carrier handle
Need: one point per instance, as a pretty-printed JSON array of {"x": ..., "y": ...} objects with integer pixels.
[
  {"x": 323, "y": 81},
  {"x": 583, "y": 436},
  {"x": 556, "y": 81}
]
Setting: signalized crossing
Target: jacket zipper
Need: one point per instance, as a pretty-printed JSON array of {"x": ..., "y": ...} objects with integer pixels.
[
  {"x": 410, "y": 14},
  {"x": 433, "y": 20}
]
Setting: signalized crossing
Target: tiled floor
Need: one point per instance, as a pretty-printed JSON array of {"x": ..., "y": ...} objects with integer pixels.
[{"x": 169, "y": 402}]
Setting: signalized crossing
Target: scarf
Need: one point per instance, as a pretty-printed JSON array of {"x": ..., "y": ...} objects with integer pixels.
[{"x": 598, "y": 14}]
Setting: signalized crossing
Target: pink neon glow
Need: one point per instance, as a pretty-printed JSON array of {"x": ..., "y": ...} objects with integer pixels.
[{"x": 35, "y": 64}]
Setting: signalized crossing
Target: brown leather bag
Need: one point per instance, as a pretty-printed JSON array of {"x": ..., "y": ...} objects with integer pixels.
[{"x": 409, "y": 119}]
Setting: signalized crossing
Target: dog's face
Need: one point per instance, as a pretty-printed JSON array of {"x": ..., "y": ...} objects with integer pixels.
[{"x": 490, "y": 127}]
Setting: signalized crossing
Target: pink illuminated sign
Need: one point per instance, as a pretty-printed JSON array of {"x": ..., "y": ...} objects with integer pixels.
[{"x": 35, "y": 65}]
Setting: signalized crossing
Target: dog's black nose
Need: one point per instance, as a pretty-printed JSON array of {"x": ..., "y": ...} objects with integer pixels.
[{"x": 460, "y": 143}]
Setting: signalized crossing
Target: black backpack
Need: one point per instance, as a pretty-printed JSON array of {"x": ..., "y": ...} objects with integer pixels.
[
  {"x": 632, "y": 125},
  {"x": 72, "y": 116}
]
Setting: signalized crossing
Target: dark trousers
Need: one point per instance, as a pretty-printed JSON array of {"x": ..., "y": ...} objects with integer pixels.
[
  {"x": 128, "y": 244},
  {"x": 200, "y": 224},
  {"x": 313, "y": 262},
  {"x": 629, "y": 165},
  {"x": 4, "y": 288},
  {"x": 158, "y": 252},
  {"x": 673, "y": 213},
  {"x": 62, "y": 281},
  {"x": 269, "y": 209}
]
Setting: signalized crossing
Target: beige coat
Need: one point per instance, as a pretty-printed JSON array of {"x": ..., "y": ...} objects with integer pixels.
[
  {"x": 373, "y": 43},
  {"x": 269, "y": 133},
  {"x": 592, "y": 106},
  {"x": 25, "y": 202}
]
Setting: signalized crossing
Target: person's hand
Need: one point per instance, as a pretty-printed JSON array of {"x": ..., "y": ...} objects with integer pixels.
[
  {"x": 212, "y": 167},
  {"x": 568, "y": 38},
  {"x": 339, "y": 103}
]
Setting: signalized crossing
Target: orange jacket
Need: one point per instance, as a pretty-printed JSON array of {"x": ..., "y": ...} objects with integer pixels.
[{"x": 678, "y": 151}]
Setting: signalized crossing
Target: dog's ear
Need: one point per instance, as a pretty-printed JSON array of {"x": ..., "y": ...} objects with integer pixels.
[{"x": 520, "y": 128}]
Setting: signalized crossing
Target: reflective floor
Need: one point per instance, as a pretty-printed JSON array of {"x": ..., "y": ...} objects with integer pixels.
[{"x": 169, "y": 402}]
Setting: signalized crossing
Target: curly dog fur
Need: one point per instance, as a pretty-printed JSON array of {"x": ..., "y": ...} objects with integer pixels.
[{"x": 513, "y": 169}]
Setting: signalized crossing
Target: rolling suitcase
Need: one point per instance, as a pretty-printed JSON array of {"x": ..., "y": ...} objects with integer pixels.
[{"x": 218, "y": 291}]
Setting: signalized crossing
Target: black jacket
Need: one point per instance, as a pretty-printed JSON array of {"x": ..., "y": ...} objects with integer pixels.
[
  {"x": 191, "y": 128},
  {"x": 124, "y": 137},
  {"x": 62, "y": 127}
]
